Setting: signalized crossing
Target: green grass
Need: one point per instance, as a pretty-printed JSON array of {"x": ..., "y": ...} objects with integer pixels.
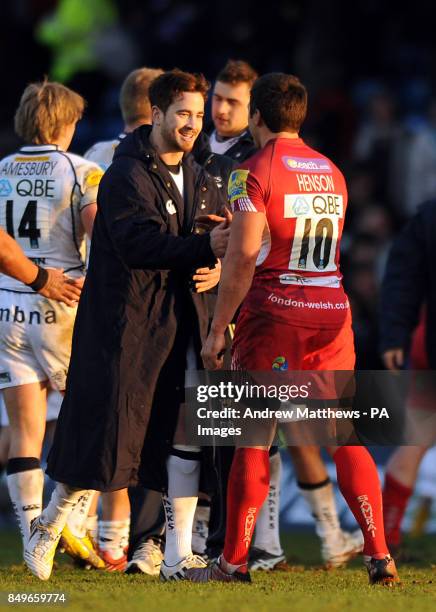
[{"x": 306, "y": 589}]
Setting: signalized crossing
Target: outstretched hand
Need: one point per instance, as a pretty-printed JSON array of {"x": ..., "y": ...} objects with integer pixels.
[{"x": 204, "y": 279}]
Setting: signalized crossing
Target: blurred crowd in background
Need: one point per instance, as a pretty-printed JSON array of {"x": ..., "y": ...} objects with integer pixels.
[{"x": 370, "y": 72}]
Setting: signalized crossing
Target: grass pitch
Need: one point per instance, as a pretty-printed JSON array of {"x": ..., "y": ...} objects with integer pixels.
[{"x": 305, "y": 589}]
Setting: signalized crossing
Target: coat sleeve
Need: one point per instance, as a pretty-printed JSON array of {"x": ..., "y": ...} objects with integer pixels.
[
  {"x": 404, "y": 286},
  {"x": 137, "y": 229}
]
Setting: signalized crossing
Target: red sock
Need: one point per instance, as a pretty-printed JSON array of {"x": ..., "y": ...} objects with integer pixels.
[
  {"x": 359, "y": 484},
  {"x": 246, "y": 491},
  {"x": 395, "y": 498}
]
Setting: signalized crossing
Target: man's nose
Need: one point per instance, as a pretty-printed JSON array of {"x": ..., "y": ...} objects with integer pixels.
[
  {"x": 195, "y": 123},
  {"x": 222, "y": 107}
]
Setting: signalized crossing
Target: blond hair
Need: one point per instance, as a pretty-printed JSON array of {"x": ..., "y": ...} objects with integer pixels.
[
  {"x": 134, "y": 100},
  {"x": 44, "y": 109}
]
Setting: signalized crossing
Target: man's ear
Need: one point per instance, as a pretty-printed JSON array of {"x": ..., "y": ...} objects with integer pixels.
[
  {"x": 156, "y": 115},
  {"x": 257, "y": 118}
]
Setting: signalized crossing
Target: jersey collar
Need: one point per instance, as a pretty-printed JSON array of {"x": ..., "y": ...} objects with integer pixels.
[
  {"x": 294, "y": 141},
  {"x": 46, "y": 148}
]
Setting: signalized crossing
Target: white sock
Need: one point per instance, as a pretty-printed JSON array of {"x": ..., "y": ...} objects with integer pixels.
[
  {"x": 77, "y": 518},
  {"x": 267, "y": 534},
  {"x": 25, "y": 491},
  {"x": 200, "y": 528},
  {"x": 91, "y": 524},
  {"x": 180, "y": 504},
  {"x": 62, "y": 502},
  {"x": 113, "y": 537},
  {"x": 323, "y": 507}
]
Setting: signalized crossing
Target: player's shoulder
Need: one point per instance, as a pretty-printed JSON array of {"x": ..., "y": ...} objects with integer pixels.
[
  {"x": 252, "y": 174},
  {"x": 80, "y": 162},
  {"x": 88, "y": 174},
  {"x": 314, "y": 160},
  {"x": 102, "y": 152},
  {"x": 258, "y": 159},
  {"x": 257, "y": 166}
]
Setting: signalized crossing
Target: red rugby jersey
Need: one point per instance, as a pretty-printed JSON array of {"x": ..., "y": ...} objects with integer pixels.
[{"x": 304, "y": 197}]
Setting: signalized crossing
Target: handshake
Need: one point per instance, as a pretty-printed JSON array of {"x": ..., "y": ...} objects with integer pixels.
[
  {"x": 204, "y": 279},
  {"x": 219, "y": 228}
]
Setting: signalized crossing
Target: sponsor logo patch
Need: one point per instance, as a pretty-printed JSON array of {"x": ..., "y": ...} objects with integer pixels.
[
  {"x": 306, "y": 164},
  {"x": 301, "y": 206},
  {"x": 170, "y": 207},
  {"x": 31, "y": 507},
  {"x": 249, "y": 526},
  {"x": 366, "y": 510},
  {"x": 238, "y": 185},
  {"x": 314, "y": 205},
  {"x": 280, "y": 363},
  {"x": 5, "y": 188},
  {"x": 93, "y": 178}
]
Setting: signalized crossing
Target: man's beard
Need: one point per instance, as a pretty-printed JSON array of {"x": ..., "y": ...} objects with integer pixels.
[{"x": 173, "y": 144}]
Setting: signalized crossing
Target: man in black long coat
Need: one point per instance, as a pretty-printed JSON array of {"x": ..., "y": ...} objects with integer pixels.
[
  {"x": 136, "y": 320},
  {"x": 408, "y": 300}
]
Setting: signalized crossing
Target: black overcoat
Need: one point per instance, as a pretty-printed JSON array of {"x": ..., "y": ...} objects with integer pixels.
[
  {"x": 409, "y": 282},
  {"x": 135, "y": 317}
]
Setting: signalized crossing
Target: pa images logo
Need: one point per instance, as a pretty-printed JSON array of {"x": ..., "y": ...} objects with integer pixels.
[
  {"x": 5, "y": 188},
  {"x": 280, "y": 364}
]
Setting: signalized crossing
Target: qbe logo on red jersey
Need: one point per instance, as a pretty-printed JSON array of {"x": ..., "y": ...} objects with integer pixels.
[
  {"x": 313, "y": 205},
  {"x": 316, "y": 217}
]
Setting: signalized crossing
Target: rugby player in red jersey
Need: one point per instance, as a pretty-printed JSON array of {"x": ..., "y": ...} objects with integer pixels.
[{"x": 282, "y": 262}]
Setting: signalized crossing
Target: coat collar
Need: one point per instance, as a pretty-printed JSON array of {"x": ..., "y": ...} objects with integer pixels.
[{"x": 186, "y": 205}]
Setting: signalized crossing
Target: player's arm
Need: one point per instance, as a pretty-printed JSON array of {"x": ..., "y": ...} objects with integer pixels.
[
  {"x": 13, "y": 262},
  {"x": 48, "y": 282},
  {"x": 87, "y": 216},
  {"x": 236, "y": 278},
  {"x": 90, "y": 178}
]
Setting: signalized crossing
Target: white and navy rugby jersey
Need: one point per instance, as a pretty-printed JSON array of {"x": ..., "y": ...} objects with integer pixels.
[
  {"x": 42, "y": 192},
  {"x": 102, "y": 152}
]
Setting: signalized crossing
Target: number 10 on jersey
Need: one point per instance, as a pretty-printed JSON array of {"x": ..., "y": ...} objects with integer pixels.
[{"x": 315, "y": 232}]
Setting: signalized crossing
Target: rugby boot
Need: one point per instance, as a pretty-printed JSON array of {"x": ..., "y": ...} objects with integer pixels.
[
  {"x": 178, "y": 571},
  {"x": 214, "y": 573},
  {"x": 146, "y": 559},
  {"x": 40, "y": 549},
  {"x": 80, "y": 549},
  {"x": 345, "y": 548},
  {"x": 382, "y": 571},
  {"x": 263, "y": 560}
]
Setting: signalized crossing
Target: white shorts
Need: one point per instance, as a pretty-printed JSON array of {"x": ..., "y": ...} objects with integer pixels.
[
  {"x": 54, "y": 401},
  {"x": 35, "y": 340}
]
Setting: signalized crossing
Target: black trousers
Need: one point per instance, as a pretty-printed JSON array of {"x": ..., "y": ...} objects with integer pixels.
[{"x": 147, "y": 519}]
